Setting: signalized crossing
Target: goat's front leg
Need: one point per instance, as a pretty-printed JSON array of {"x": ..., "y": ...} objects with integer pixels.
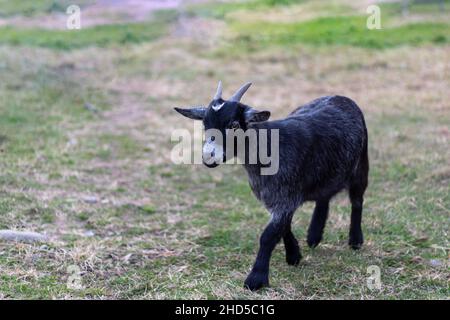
[{"x": 259, "y": 276}]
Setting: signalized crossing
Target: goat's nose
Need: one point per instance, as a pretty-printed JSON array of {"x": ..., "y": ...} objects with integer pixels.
[{"x": 213, "y": 154}]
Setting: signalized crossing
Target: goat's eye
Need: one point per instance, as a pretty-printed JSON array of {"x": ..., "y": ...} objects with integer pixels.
[{"x": 235, "y": 125}]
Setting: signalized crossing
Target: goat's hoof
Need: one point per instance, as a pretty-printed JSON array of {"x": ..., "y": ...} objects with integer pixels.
[
  {"x": 356, "y": 241},
  {"x": 293, "y": 259},
  {"x": 313, "y": 240},
  {"x": 256, "y": 281},
  {"x": 355, "y": 245}
]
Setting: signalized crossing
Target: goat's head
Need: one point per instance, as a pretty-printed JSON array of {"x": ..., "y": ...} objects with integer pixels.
[{"x": 218, "y": 118}]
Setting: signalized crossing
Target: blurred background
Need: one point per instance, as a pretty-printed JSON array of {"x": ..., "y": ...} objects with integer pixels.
[{"x": 86, "y": 117}]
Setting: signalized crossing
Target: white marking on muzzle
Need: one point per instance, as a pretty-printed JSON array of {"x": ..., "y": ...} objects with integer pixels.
[{"x": 212, "y": 152}]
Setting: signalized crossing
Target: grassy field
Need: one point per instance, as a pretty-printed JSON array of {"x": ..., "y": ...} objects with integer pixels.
[{"x": 85, "y": 124}]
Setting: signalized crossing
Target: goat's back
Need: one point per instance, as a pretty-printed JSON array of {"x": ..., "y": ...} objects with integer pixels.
[{"x": 320, "y": 146}]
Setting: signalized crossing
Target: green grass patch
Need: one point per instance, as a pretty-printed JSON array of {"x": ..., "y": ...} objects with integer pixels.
[
  {"x": 30, "y": 116},
  {"x": 33, "y": 7},
  {"x": 100, "y": 36},
  {"x": 415, "y": 7},
  {"x": 221, "y": 10},
  {"x": 338, "y": 31}
]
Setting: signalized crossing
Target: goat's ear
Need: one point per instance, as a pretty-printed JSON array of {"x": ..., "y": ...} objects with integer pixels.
[
  {"x": 252, "y": 115},
  {"x": 196, "y": 113}
]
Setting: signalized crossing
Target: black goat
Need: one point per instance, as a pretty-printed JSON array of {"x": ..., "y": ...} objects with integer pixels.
[{"x": 322, "y": 150}]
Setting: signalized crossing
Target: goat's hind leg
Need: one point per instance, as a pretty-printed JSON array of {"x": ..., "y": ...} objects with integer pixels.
[
  {"x": 293, "y": 255},
  {"x": 319, "y": 218},
  {"x": 357, "y": 188},
  {"x": 356, "y": 239}
]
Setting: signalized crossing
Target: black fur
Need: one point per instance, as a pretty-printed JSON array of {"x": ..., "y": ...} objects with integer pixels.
[{"x": 323, "y": 150}]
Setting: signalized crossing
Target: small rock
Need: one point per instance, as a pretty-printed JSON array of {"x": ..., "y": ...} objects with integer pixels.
[
  {"x": 72, "y": 142},
  {"x": 127, "y": 258},
  {"x": 436, "y": 263},
  {"x": 90, "y": 199},
  {"x": 89, "y": 233},
  {"x": 22, "y": 236},
  {"x": 90, "y": 107}
]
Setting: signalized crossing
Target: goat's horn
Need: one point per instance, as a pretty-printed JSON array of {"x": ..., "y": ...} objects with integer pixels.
[
  {"x": 219, "y": 91},
  {"x": 238, "y": 95}
]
